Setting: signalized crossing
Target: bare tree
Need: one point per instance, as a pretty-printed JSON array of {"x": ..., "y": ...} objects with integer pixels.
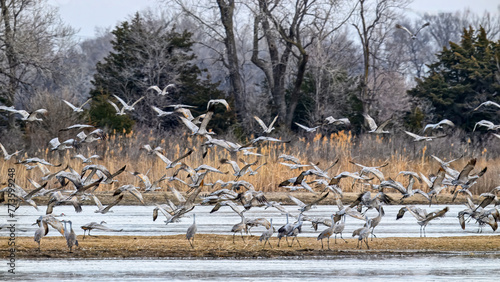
[
  {"x": 372, "y": 22},
  {"x": 288, "y": 31},
  {"x": 33, "y": 39}
]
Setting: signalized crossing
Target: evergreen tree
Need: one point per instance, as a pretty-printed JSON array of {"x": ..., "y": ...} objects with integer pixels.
[
  {"x": 464, "y": 76},
  {"x": 149, "y": 52}
]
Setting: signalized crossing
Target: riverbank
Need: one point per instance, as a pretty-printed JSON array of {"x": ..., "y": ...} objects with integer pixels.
[
  {"x": 221, "y": 246},
  {"x": 280, "y": 197}
]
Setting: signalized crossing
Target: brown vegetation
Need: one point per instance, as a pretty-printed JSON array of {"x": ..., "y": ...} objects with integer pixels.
[
  {"x": 119, "y": 150},
  {"x": 221, "y": 246}
]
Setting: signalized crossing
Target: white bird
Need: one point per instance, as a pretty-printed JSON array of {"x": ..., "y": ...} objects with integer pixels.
[
  {"x": 75, "y": 108},
  {"x": 308, "y": 129},
  {"x": 55, "y": 144},
  {"x": 289, "y": 158},
  {"x": 373, "y": 126},
  {"x": 7, "y": 156},
  {"x": 26, "y": 115},
  {"x": 213, "y": 102},
  {"x": 160, "y": 112},
  {"x": 125, "y": 105},
  {"x": 101, "y": 208},
  {"x": 486, "y": 123},
  {"x": 163, "y": 91},
  {"x": 487, "y": 103},
  {"x": 85, "y": 159},
  {"x": 417, "y": 138},
  {"x": 413, "y": 35},
  {"x": 267, "y": 129},
  {"x": 119, "y": 111},
  {"x": 438, "y": 125},
  {"x": 340, "y": 121}
]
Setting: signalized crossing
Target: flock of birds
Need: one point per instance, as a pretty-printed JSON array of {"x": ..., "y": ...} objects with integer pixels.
[{"x": 65, "y": 186}]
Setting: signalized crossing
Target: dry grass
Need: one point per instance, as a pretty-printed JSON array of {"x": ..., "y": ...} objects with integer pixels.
[
  {"x": 123, "y": 149},
  {"x": 221, "y": 246}
]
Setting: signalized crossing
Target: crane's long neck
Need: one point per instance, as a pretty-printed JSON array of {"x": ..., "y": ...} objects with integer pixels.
[{"x": 194, "y": 218}]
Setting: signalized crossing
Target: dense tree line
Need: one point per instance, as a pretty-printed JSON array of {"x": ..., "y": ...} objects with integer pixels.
[{"x": 302, "y": 61}]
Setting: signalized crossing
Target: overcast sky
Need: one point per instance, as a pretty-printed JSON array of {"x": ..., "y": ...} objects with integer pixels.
[{"x": 87, "y": 15}]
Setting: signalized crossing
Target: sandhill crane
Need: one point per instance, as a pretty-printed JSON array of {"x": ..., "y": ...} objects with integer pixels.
[
  {"x": 423, "y": 218},
  {"x": 163, "y": 91},
  {"x": 407, "y": 191},
  {"x": 7, "y": 156},
  {"x": 338, "y": 228},
  {"x": 479, "y": 213},
  {"x": 374, "y": 128},
  {"x": 284, "y": 230},
  {"x": 295, "y": 166},
  {"x": 295, "y": 230},
  {"x": 335, "y": 121},
  {"x": 149, "y": 150},
  {"x": 289, "y": 158},
  {"x": 75, "y": 108},
  {"x": 239, "y": 227},
  {"x": 238, "y": 172},
  {"x": 303, "y": 206},
  {"x": 98, "y": 226},
  {"x": 42, "y": 230},
  {"x": 97, "y": 134},
  {"x": 131, "y": 189},
  {"x": 267, "y": 129},
  {"x": 413, "y": 35},
  {"x": 267, "y": 234},
  {"x": 417, "y": 138},
  {"x": 307, "y": 129},
  {"x": 174, "y": 163},
  {"x": 85, "y": 159},
  {"x": 465, "y": 180},
  {"x": 327, "y": 233},
  {"x": 126, "y": 106},
  {"x": 119, "y": 112},
  {"x": 362, "y": 234},
  {"x": 487, "y": 103},
  {"x": 101, "y": 208},
  {"x": 213, "y": 102},
  {"x": 18, "y": 192},
  {"x": 55, "y": 144},
  {"x": 57, "y": 198},
  {"x": 191, "y": 232},
  {"x": 374, "y": 222},
  {"x": 366, "y": 200},
  {"x": 436, "y": 186},
  {"x": 106, "y": 175},
  {"x": 486, "y": 123},
  {"x": 160, "y": 112},
  {"x": 70, "y": 235},
  {"x": 77, "y": 126},
  {"x": 26, "y": 116},
  {"x": 439, "y": 125}
]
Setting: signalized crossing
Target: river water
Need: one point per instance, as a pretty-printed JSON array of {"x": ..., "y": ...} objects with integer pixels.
[
  {"x": 137, "y": 221},
  {"x": 379, "y": 268}
]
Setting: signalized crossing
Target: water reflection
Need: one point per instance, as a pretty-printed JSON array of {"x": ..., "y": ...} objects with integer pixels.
[{"x": 379, "y": 268}]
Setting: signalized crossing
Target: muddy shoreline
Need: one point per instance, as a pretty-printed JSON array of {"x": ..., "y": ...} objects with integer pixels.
[{"x": 209, "y": 246}]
